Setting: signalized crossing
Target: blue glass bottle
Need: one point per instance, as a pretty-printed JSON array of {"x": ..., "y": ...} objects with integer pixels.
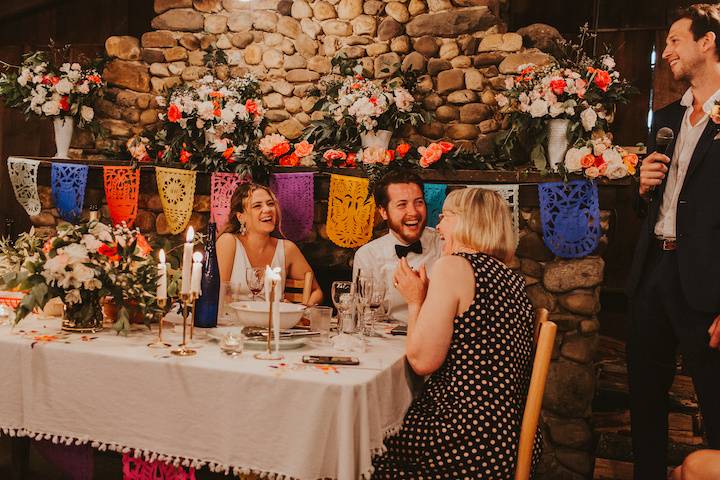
[{"x": 206, "y": 308}]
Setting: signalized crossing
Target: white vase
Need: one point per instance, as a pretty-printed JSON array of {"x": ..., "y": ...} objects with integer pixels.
[
  {"x": 63, "y": 134},
  {"x": 376, "y": 139},
  {"x": 557, "y": 141}
]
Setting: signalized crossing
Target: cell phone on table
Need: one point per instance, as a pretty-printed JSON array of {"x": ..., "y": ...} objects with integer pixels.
[
  {"x": 330, "y": 360},
  {"x": 399, "y": 330}
]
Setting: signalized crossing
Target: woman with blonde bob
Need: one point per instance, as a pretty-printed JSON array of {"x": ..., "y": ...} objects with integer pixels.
[
  {"x": 471, "y": 330},
  {"x": 248, "y": 242}
]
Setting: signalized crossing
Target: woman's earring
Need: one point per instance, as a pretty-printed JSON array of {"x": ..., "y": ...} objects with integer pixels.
[{"x": 243, "y": 228}]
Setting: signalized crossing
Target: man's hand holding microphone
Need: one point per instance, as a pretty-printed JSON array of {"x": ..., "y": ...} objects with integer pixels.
[{"x": 655, "y": 166}]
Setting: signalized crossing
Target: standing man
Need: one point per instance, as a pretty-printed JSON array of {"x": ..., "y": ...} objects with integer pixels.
[
  {"x": 400, "y": 198},
  {"x": 675, "y": 277}
]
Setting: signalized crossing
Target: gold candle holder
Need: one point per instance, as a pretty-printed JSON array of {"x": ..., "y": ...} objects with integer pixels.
[
  {"x": 188, "y": 303},
  {"x": 270, "y": 355},
  {"x": 162, "y": 303}
]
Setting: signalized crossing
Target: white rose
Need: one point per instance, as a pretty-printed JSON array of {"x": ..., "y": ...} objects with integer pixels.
[
  {"x": 90, "y": 242},
  {"x": 588, "y": 117},
  {"x": 573, "y": 157},
  {"x": 64, "y": 87},
  {"x": 87, "y": 113},
  {"x": 612, "y": 156},
  {"x": 509, "y": 83},
  {"x": 227, "y": 115},
  {"x": 539, "y": 108},
  {"x": 501, "y": 100},
  {"x": 616, "y": 170},
  {"x": 76, "y": 252},
  {"x": 206, "y": 110},
  {"x": 82, "y": 274},
  {"x": 608, "y": 62},
  {"x": 556, "y": 109},
  {"x": 83, "y": 88},
  {"x": 51, "y": 108}
]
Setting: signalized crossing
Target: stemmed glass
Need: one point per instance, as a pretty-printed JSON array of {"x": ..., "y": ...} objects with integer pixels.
[
  {"x": 363, "y": 296},
  {"x": 343, "y": 297},
  {"x": 377, "y": 299},
  {"x": 255, "y": 277}
]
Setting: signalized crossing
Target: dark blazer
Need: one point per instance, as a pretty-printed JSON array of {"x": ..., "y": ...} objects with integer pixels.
[{"x": 698, "y": 217}]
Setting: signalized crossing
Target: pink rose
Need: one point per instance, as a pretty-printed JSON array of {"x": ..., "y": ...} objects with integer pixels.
[
  {"x": 303, "y": 149},
  {"x": 430, "y": 154},
  {"x": 592, "y": 172}
]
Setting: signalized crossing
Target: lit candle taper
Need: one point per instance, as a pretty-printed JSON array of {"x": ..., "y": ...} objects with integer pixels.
[
  {"x": 162, "y": 277},
  {"x": 196, "y": 273},
  {"x": 187, "y": 262}
]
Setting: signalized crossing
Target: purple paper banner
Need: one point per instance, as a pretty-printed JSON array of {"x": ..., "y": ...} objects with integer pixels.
[{"x": 295, "y": 192}]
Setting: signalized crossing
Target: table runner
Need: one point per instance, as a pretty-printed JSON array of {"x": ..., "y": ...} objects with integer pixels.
[{"x": 233, "y": 415}]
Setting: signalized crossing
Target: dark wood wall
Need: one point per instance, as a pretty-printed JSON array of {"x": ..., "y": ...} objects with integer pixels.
[{"x": 28, "y": 25}]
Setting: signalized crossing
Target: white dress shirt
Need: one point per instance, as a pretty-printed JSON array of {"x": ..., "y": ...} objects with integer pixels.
[
  {"x": 684, "y": 147},
  {"x": 378, "y": 258}
]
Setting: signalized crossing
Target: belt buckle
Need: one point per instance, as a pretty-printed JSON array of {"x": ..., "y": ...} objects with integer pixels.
[{"x": 669, "y": 245}]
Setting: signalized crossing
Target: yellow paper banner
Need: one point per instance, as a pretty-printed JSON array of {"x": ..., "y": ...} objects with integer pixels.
[
  {"x": 351, "y": 213},
  {"x": 177, "y": 192}
]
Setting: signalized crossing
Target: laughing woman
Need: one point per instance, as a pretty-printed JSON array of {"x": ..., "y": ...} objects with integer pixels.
[{"x": 247, "y": 241}]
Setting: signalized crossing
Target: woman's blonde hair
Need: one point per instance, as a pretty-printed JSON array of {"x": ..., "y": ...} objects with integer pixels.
[
  {"x": 484, "y": 222},
  {"x": 239, "y": 203}
]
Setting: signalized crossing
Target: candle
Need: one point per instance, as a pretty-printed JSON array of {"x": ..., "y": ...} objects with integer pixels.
[
  {"x": 162, "y": 277},
  {"x": 196, "y": 273},
  {"x": 273, "y": 293},
  {"x": 187, "y": 262}
]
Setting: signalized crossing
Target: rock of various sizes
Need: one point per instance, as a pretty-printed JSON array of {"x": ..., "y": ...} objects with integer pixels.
[
  {"x": 290, "y": 128},
  {"x": 372, "y": 7},
  {"x": 414, "y": 61},
  {"x": 432, "y": 130},
  {"x": 566, "y": 275},
  {"x": 532, "y": 56},
  {"x": 542, "y": 36},
  {"x": 216, "y": 23},
  {"x": 474, "y": 80},
  {"x": 124, "y": 47},
  {"x": 338, "y": 28},
  {"x": 175, "y": 54},
  {"x": 300, "y": 75},
  {"x": 240, "y": 22},
  {"x": 540, "y": 298},
  {"x": 532, "y": 246},
  {"x": 182, "y": 19},
  {"x": 164, "y": 5},
  {"x": 242, "y": 40},
  {"x": 433, "y": 102},
  {"x": 578, "y": 461},
  {"x": 349, "y": 9},
  {"x": 265, "y": 21},
  {"x": 580, "y": 302},
  {"x": 398, "y": 11},
  {"x": 437, "y": 65},
  {"x": 159, "y": 39},
  {"x": 386, "y": 65},
  {"x": 475, "y": 113},
  {"x": 566, "y": 322},
  {"x": 273, "y": 58},
  {"x": 189, "y": 41},
  {"x": 207, "y": 6},
  {"x": 284, "y": 7},
  {"x": 461, "y": 97},
  {"x": 505, "y": 42},
  {"x": 416, "y": 7},
  {"x": 569, "y": 432},
  {"x": 400, "y": 44},
  {"x": 579, "y": 348},
  {"x": 570, "y": 388},
  {"x": 364, "y": 25},
  {"x": 427, "y": 45},
  {"x": 450, "y": 80},
  {"x": 126, "y": 74},
  {"x": 294, "y": 61},
  {"x": 376, "y": 49},
  {"x": 301, "y": 9},
  {"x": 289, "y": 27},
  {"x": 449, "y": 50},
  {"x": 447, "y": 113},
  {"x": 323, "y": 10},
  {"x": 489, "y": 125},
  {"x": 253, "y": 54},
  {"x": 389, "y": 28},
  {"x": 451, "y": 23},
  {"x": 311, "y": 28},
  {"x": 305, "y": 45},
  {"x": 439, "y": 5},
  {"x": 492, "y": 4},
  {"x": 320, "y": 64}
]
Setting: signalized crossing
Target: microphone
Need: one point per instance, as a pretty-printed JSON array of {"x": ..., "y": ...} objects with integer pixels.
[{"x": 663, "y": 139}]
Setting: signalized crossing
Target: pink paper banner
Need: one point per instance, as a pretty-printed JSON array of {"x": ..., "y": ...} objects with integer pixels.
[
  {"x": 295, "y": 192},
  {"x": 222, "y": 187}
]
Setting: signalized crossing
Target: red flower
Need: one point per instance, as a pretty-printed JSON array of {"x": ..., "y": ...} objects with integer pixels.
[
  {"x": 291, "y": 160},
  {"x": 45, "y": 80},
  {"x": 55, "y": 80},
  {"x": 64, "y": 105},
  {"x": 599, "y": 161},
  {"x": 601, "y": 78},
  {"x": 108, "y": 251},
  {"x": 351, "y": 160},
  {"x": 558, "y": 86},
  {"x": 174, "y": 113},
  {"x": 373, "y": 100},
  {"x": 228, "y": 155},
  {"x": 389, "y": 156},
  {"x": 251, "y": 107},
  {"x": 48, "y": 246},
  {"x": 184, "y": 155},
  {"x": 402, "y": 149},
  {"x": 446, "y": 146},
  {"x": 332, "y": 155},
  {"x": 160, "y": 154},
  {"x": 280, "y": 149},
  {"x": 94, "y": 78},
  {"x": 142, "y": 244}
]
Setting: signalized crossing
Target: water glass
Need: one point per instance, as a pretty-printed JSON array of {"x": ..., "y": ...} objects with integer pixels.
[{"x": 320, "y": 322}]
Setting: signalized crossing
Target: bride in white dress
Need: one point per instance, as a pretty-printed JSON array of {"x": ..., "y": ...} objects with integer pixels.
[{"x": 247, "y": 242}]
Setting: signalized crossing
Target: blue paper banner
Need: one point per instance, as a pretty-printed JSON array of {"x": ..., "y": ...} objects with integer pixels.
[
  {"x": 68, "y": 189},
  {"x": 434, "y": 198},
  {"x": 570, "y": 215}
]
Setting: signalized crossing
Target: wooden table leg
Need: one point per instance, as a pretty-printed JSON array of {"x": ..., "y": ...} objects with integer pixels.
[{"x": 20, "y": 449}]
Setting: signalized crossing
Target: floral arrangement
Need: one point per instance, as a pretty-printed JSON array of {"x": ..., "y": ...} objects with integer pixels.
[
  {"x": 84, "y": 264},
  {"x": 44, "y": 86},
  {"x": 13, "y": 254},
  {"x": 212, "y": 124},
  {"x": 353, "y": 104},
  {"x": 598, "y": 157},
  {"x": 576, "y": 87},
  {"x": 278, "y": 149}
]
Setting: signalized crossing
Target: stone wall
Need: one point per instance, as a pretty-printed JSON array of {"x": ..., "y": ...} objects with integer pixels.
[{"x": 459, "y": 46}]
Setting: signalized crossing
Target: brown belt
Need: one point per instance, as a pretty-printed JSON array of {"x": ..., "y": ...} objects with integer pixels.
[{"x": 666, "y": 245}]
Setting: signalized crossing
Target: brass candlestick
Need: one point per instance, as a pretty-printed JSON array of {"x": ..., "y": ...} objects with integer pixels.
[
  {"x": 194, "y": 296},
  {"x": 159, "y": 342},
  {"x": 270, "y": 355},
  {"x": 188, "y": 303}
]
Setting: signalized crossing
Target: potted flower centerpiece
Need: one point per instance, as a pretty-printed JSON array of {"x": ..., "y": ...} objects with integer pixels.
[
  {"x": 46, "y": 86},
  {"x": 211, "y": 125},
  {"x": 554, "y": 106},
  {"x": 81, "y": 266}
]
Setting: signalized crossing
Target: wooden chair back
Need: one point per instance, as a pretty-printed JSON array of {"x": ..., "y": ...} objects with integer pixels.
[
  {"x": 541, "y": 365},
  {"x": 298, "y": 291},
  {"x": 541, "y": 315}
]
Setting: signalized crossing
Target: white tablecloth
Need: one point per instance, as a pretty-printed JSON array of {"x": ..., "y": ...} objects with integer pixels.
[{"x": 237, "y": 415}]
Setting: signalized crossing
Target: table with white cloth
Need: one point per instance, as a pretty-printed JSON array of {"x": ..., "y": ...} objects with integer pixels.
[{"x": 232, "y": 414}]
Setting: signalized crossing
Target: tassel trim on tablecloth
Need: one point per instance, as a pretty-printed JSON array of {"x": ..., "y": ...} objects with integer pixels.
[{"x": 151, "y": 456}]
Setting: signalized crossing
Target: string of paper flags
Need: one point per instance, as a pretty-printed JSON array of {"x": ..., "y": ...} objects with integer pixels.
[{"x": 569, "y": 211}]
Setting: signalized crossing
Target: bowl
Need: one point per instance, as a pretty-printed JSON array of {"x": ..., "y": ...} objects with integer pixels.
[{"x": 255, "y": 314}]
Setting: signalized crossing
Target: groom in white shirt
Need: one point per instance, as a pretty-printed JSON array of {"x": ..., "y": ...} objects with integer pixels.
[{"x": 399, "y": 197}]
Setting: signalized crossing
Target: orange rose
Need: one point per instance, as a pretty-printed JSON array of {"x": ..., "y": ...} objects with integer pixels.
[
  {"x": 280, "y": 149},
  {"x": 174, "y": 113},
  {"x": 94, "y": 78},
  {"x": 143, "y": 244},
  {"x": 291, "y": 160},
  {"x": 184, "y": 155},
  {"x": 601, "y": 78},
  {"x": 331, "y": 156},
  {"x": 351, "y": 160},
  {"x": 251, "y": 107},
  {"x": 587, "y": 161},
  {"x": 446, "y": 146},
  {"x": 228, "y": 154},
  {"x": 402, "y": 149},
  {"x": 429, "y": 154},
  {"x": 303, "y": 149},
  {"x": 389, "y": 157}
]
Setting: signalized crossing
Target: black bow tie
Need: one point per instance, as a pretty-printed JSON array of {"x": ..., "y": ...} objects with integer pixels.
[{"x": 402, "y": 250}]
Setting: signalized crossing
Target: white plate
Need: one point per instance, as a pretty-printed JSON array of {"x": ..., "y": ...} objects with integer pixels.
[{"x": 285, "y": 343}]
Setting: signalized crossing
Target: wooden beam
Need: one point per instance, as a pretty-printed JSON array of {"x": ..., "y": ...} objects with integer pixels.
[{"x": 10, "y": 8}]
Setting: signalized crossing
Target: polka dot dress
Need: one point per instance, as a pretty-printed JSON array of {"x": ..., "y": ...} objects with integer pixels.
[{"x": 465, "y": 424}]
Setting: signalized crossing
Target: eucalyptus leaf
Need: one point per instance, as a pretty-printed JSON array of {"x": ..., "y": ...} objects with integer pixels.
[{"x": 539, "y": 158}]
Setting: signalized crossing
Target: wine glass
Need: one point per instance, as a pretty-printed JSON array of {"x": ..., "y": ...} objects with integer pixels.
[
  {"x": 343, "y": 297},
  {"x": 363, "y": 295},
  {"x": 255, "y": 277},
  {"x": 377, "y": 299}
]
